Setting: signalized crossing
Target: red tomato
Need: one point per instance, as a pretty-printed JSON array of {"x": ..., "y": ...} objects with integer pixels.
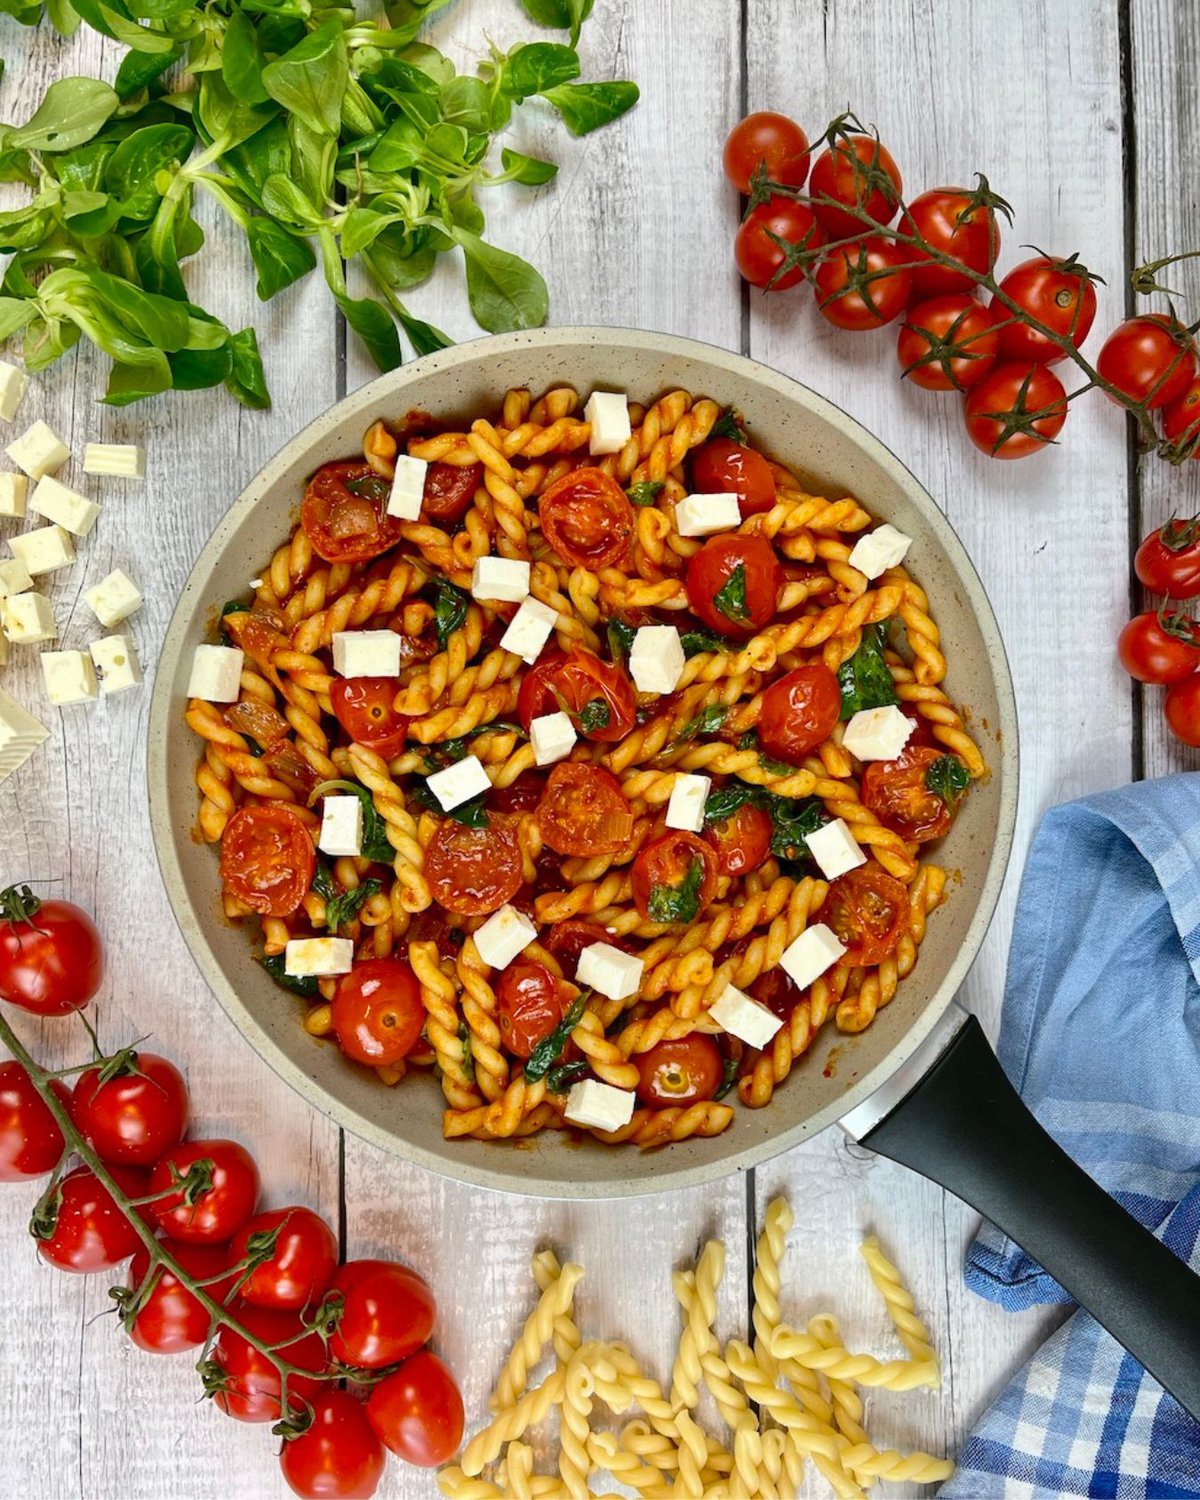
[
  {"x": 567, "y": 940},
  {"x": 529, "y": 1004},
  {"x": 799, "y": 712},
  {"x": 1059, "y": 294},
  {"x": 674, "y": 877},
  {"x": 1182, "y": 709},
  {"x": 364, "y": 709},
  {"x": 1181, "y": 420},
  {"x": 896, "y": 793},
  {"x": 222, "y": 1196},
  {"x": 135, "y": 1116},
  {"x": 51, "y": 954},
  {"x": 857, "y": 171},
  {"x": 521, "y": 795},
  {"x": 338, "y": 1457},
  {"x": 1001, "y": 411},
  {"x": 169, "y": 1319},
  {"x": 685, "y": 1071},
  {"x": 30, "y": 1141},
  {"x": 268, "y": 859},
  {"x": 584, "y": 811},
  {"x": 954, "y": 222},
  {"x": 90, "y": 1233},
  {"x": 743, "y": 841},
  {"x": 449, "y": 490},
  {"x": 1151, "y": 358},
  {"x": 587, "y": 518},
  {"x": 418, "y": 1411},
  {"x": 298, "y": 1271},
  {"x": 733, "y": 584},
  {"x": 1159, "y": 649},
  {"x": 387, "y": 1313},
  {"x": 764, "y": 262},
  {"x": 868, "y": 910},
  {"x": 473, "y": 871},
  {"x": 778, "y": 991},
  {"x": 863, "y": 284},
  {"x": 723, "y": 467},
  {"x": 246, "y": 1385},
  {"x": 1168, "y": 561},
  {"x": 344, "y": 513},
  {"x": 599, "y": 697},
  {"x": 948, "y": 343},
  {"x": 378, "y": 1014},
  {"x": 768, "y": 141}
]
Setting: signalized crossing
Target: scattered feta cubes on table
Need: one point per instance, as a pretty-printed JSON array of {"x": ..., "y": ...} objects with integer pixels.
[
  {"x": 14, "y": 577},
  {"x": 13, "y": 384},
  {"x": 216, "y": 674},
  {"x": 20, "y": 734},
  {"x": 503, "y": 578},
  {"x": 529, "y": 630},
  {"x": 28, "y": 619},
  {"x": 615, "y": 974},
  {"x": 608, "y": 413},
  {"x": 599, "y": 1105},
  {"x": 341, "y": 826},
  {"x": 458, "y": 783},
  {"x": 317, "y": 958},
  {"x": 685, "y": 810},
  {"x": 506, "y": 933},
  {"x": 70, "y": 677},
  {"x": 44, "y": 550},
  {"x": 120, "y": 460},
  {"x": 114, "y": 598},
  {"x": 408, "y": 488},
  {"x": 815, "y": 950},
  {"x": 835, "y": 849},
  {"x": 702, "y": 515},
  {"x": 878, "y": 733},
  {"x": 64, "y": 506},
  {"x": 13, "y": 489},
  {"x": 739, "y": 1015},
  {"x": 552, "y": 737},
  {"x": 656, "y": 659},
  {"x": 39, "y": 451},
  {"x": 879, "y": 550},
  {"x": 366, "y": 653},
  {"x": 116, "y": 661}
]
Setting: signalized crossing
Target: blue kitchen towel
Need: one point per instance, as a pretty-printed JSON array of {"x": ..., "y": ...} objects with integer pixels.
[{"x": 1101, "y": 1035}]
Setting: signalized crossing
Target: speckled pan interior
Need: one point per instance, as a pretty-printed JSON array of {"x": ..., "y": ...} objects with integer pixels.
[{"x": 835, "y": 456}]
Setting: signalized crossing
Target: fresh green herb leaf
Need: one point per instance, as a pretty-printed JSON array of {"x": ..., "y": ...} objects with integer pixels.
[
  {"x": 505, "y": 292},
  {"x": 532, "y": 171},
  {"x": 620, "y": 639},
  {"x": 279, "y": 257},
  {"x": 708, "y": 722},
  {"x": 549, "y": 1050},
  {"x": 343, "y": 908},
  {"x": 729, "y": 425},
  {"x": 563, "y": 14},
  {"x": 323, "y": 882},
  {"x": 305, "y": 985},
  {"x": 72, "y": 111},
  {"x": 559, "y": 1080},
  {"x": 449, "y": 611},
  {"x": 373, "y": 487},
  {"x": 791, "y": 819},
  {"x": 728, "y": 1079},
  {"x": 730, "y": 598},
  {"x": 865, "y": 680},
  {"x": 310, "y": 80},
  {"x": 645, "y": 492},
  {"x": 375, "y": 843},
  {"x": 584, "y": 107},
  {"x": 373, "y": 324},
  {"x": 595, "y": 715},
  {"x": 694, "y": 642},
  {"x": 246, "y": 380},
  {"x": 724, "y": 801},
  {"x": 948, "y": 779},
  {"x": 537, "y": 67},
  {"x": 678, "y": 903}
]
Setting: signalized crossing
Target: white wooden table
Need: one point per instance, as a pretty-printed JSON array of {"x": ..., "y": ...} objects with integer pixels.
[{"x": 1083, "y": 115}]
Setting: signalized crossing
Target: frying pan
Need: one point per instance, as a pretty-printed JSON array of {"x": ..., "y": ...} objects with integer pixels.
[{"x": 921, "y": 1084}]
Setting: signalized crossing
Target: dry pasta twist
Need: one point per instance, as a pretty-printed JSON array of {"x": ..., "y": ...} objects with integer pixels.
[
  {"x": 513, "y": 1422},
  {"x": 574, "y": 1463},
  {"x": 864, "y": 1369},
  {"x": 696, "y": 1293},
  {"x": 900, "y": 1305},
  {"x": 868, "y": 1463},
  {"x": 555, "y": 1302},
  {"x": 565, "y": 1334},
  {"x": 767, "y": 1280}
]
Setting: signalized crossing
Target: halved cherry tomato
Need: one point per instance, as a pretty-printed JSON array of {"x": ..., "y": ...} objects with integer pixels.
[
  {"x": 723, "y": 467},
  {"x": 953, "y": 221},
  {"x": 1159, "y": 650},
  {"x": 521, "y": 795},
  {"x": 584, "y": 811},
  {"x": 247, "y": 1386},
  {"x": 733, "y": 584},
  {"x": 1151, "y": 357},
  {"x": 855, "y": 170},
  {"x": 778, "y": 991},
  {"x": 338, "y": 1456},
  {"x": 567, "y": 940},
  {"x": 344, "y": 513},
  {"x": 1058, "y": 294},
  {"x": 298, "y": 1271},
  {"x": 473, "y": 871},
  {"x": 387, "y": 1313},
  {"x": 418, "y": 1411},
  {"x": 896, "y": 793},
  {"x": 378, "y": 1014},
  {"x": 743, "y": 841},
  {"x": 1168, "y": 561},
  {"x": 757, "y": 251},
  {"x": 449, "y": 490},
  {"x": 587, "y": 518},
  {"x": 134, "y": 1116},
  {"x": 214, "y": 1212},
  {"x": 868, "y": 910},
  {"x": 1181, "y": 707},
  {"x": 770, "y": 141},
  {"x": 51, "y": 954},
  {"x": 999, "y": 410},
  {"x": 364, "y": 709},
  {"x": 1181, "y": 420},
  {"x": 30, "y": 1139},
  {"x": 530, "y": 1002},
  {"x": 599, "y": 696},
  {"x": 683, "y": 1071},
  {"x": 267, "y": 858},
  {"x": 674, "y": 877},
  {"x": 90, "y": 1233},
  {"x": 863, "y": 284},
  {"x": 948, "y": 343},
  {"x": 799, "y": 712},
  {"x": 170, "y": 1319}
]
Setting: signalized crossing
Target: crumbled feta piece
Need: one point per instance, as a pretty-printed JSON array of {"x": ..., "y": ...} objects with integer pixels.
[
  {"x": 28, "y": 619},
  {"x": 815, "y": 950},
  {"x": 13, "y": 488},
  {"x": 70, "y": 677},
  {"x": 117, "y": 663},
  {"x": 878, "y": 733},
  {"x": 366, "y": 653},
  {"x": 341, "y": 826},
  {"x": 686, "y": 808},
  {"x": 318, "y": 957},
  {"x": 216, "y": 674},
  {"x": 552, "y": 737},
  {"x": 114, "y": 598},
  {"x": 879, "y": 550},
  {"x": 64, "y": 506},
  {"x": 615, "y": 974},
  {"x": 835, "y": 849},
  {"x": 13, "y": 385},
  {"x": 599, "y": 1105},
  {"x": 20, "y": 734},
  {"x": 43, "y": 550},
  {"x": 739, "y": 1015},
  {"x": 503, "y": 578},
  {"x": 608, "y": 413},
  {"x": 529, "y": 630},
  {"x": 506, "y": 933},
  {"x": 459, "y": 782},
  {"x": 121, "y": 460},
  {"x": 38, "y": 451},
  {"x": 408, "y": 488},
  {"x": 14, "y": 577},
  {"x": 701, "y": 515},
  {"x": 656, "y": 659}
]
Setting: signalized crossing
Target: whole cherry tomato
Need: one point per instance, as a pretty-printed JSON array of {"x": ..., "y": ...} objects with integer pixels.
[
  {"x": 1181, "y": 707},
  {"x": 449, "y": 490},
  {"x": 1168, "y": 561},
  {"x": 958, "y": 223},
  {"x": 219, "y": 1198},
  {"x": 168, "y": 1318},
  {"x": 770, "y": 141},
  {"x": 1181, "y": 420},
  {"x": 684, "y": 1071},
  {"x": 868, "y": 911},
  {"x": 733, "y": 584},
  {"x": 364, "y": 707},
  {"x": 1015, "y": 410},
  {"x": 473, "y": 871},
  {"x": 583, "y": 811},
  {"x": 857, "y": 171},
  {"x": 378, "y": 1014},
  {"x": 723, "y": 467},
  {"x": 387, "y": 1313},
  {"x": 587, "y": 518},
  {"x": 598, "y": 696},
  {"x": 31, "y": 1142},
  {"x": 134, "y": 1114},
  {"x": 51, "y": 954},
  {"x": 1059, "y": 294},
  {"x": 863, "y": 284},
  {"x": 898, "y": 793},
  {"x": 799, "y": 712},
  {"x": 674, "y": 877},
  {"x": 530, "y": 1003},
  {"x": 948, "y": 343},
  {"x": 337, "y": 1457},
  {"x": 1151, "y": 358},
  {"x": 1159, "y": 648},
  {"x": 268, "y": 859},
  {"x": 742, "y": 841},
  {"x": 245, "y": 1384},
  {"x": 298, "y": 1271},
  {"x": 344, "y": 513},
  {"x": 756, "y": 249},
  {"x": 83, "y": 1230},
  {"x": 418, "y": 1411}
]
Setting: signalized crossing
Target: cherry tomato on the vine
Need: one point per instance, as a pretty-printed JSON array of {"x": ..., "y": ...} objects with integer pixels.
[
  {"x": 958, "y": 223},
  {"x": 770, "y": 141},
  {"x": 863, "y": 284},
  {"x": 799, "y": 712},
  {"x": 1159, "y": 648},
  {"x": 169, "y": 1319},
  {"x": 1168, "y": 561},
  {"x": 857, "y": 171},
  {"x": 51, "y": 954},
  {"x": 723, "y": 467},
  {"x": 1015, "y": 410},
  {"x": 1150, "y": 358},
  {"x": 364, "y": 708},
  {"x": 245, "y": 1384},
  {"x": 378, "y": 1014},
  {"x": 387, "y": 1313},
  {"x": 218, "y": 1198},
  {"x": 134, "y": 1115},
  {"x": 299, "y": 1269},
  {"x": 88, "y": 1231},
  {"x": 756, "y": 248},
  {"x": 683, "y": 1071},
  {"x": 418, "y": 1411},
  {"x": 1059, "y": 294},
  {"x": 337, "y": 1457},
  {"x": 948, "y": 343},
  {"x": 733, "y": 583},
  {"x": 1181, "y": 420},
  {"x": 30, "y": 1141},
  {"x": 1181, "y": 707},
  {"x": 530, "y": 1002}
]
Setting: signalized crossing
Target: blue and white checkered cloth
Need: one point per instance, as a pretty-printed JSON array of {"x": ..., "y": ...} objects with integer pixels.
[{"x": 1101, "y": 1035}]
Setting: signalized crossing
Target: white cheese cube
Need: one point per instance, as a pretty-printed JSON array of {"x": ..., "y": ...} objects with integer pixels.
[
  {"x": 28, "y": 619},
  {"x": 14, "y": 578},
  {"x": 504, "y": 578},
  {"x": 318, "y": 957},
  {"x": 43, "y": 550},
  {"x": 815, "y": 950},
  {"x": 744, "y": 1018},
  {"x": 13, "y": 385},
  {"x": 20, "y": 734},
  {"x": 458, "y": 783},
  {"x": 701, "y": 515},
  {"x": 39, "y": 451},
  {"x": 879, "y": 550},
  {"x": 121, "y": 460},
  {"x": 608, "y": 413},
  {"x": 116, "y": 661},
  {"x": 599, "y": 1105},
  {"x": 529, "y": 630},
  {"x": 64, "y": 506},
  {"x": 878, "y": 733},
  {"x": 615, "y": 974},
  {"x": 366, "y": 653},
  {"x": 70, "y": 677},
  {"x": 686, "y": 808},
  {"x": 506, "y": 933},
  {"x": 341, "y": 826},
  {"x": 408, "y": 488},
  {"x": 835, "y": 849},
  {"x": 12, "y": 496},
  {"x": 114, "y": 598},
  {"x": 216, "y": 674},
  {"x": 656, "y": 659},
  {"x": 552, "y": 737}
]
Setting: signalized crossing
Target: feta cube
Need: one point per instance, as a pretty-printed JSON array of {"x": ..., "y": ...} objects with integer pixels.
[
  {"x": 506, "y": 933},
  {"x": 529, "y": 630},
  {"x": 552, "y": 737},
  {"x": 599, "y": 1105},
  {"x": 341, "y": 826},
  {"x": 13, "y": 385},
  {"x": 116, "y": 661},
  {"x": 878, "y": 733},
  {"x": 114, "y": 598},
  {"x": 39, "y": 451},
  {"x": 608, "y": 413},
  {"x": 121, "y": 460},
  {"x": 615, "y": 974},
  {"x": 64, "y": 506},
  {"x": 408, "y": 488},
  {"x": 14, "y": 578},
  {"x": 879, "y": 550},
  {"x": 504, "y": 578},
  {"x": 28, "y": 619},
  {"x": 43, "y": 550},
  {"x": 13, "y": 488},
  {"x": 20, "y": 735},
  {"x": 459, "y": 782},
  {"x": 366, "y": 653},
  {"x": 686, "y": 808},
  {"x": 656, "y": 659},
  {"x": 744, "y": 1018},
  {"x": 835, "y": 849},
  {"x": 70, "y": 677},
  {"x": 701, "y": 515},
  {"x": 318, "y": 957},
  {"x": 216, "y": 674},
  {"x": 815, "y": 950}
]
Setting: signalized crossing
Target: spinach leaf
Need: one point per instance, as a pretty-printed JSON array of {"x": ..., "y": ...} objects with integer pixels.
[
  {"x": 694, "y": 642},
  {"x": 139, "y": 70},
  {"x": 305, "y": 984},
  {"x": 947, "y": 778},
  {"x": 373, "y": 487},
  {"x": 449, "y": 611},
  {"x": 645, "y": 492},
  {"x": 424, "y": 337},
  {"x": 472, "y": 814},
  {"x": 584, "y": 107},
  {"x": 724, "y": 801},
  {"x": 595, "y": 715},
  {"x": 730, "y": 598},
  {"x": 279, "y": 257},
  {"x": 246, "y": 381},
  {"x": 537, "y": 67},
  {"x": 791, "y": 819},
  {"x": 373, "y": 324},
  {"x": 310, "y": 80},
  {"x": 132, "y": 172},
  {"x": 677, "y": 903},
  {"x": 563, "y": 14},
  {"x": 620, "y": 638},
  {"x": 72, "y": 111},
  {"x": 344, "y": 907},
  {"x": 864, "y": 679},
  {"x": 505, "y": 292},
  {"x": 466, "y": 101},
  {"x": 707, "y": 722},
  {"x": 560, "y": 1079},
  {"x": 729, "y": 425},
  {"x": 376, "y": 845},
  {"x": 532, "y": 171},
  {"x": 728, "y": 1079},
  {"x": 549, "y": 1050},
  {"x": 242, "y": 60}
]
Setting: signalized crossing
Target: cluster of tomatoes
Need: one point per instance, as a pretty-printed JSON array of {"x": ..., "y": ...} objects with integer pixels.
[
  {"x": 997, "y": 353},
  {"x": 276, "y": 1271},
  {"x": 1163, "y": 646}
]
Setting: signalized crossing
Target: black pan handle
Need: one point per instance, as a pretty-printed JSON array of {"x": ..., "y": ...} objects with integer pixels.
[{"x": 965, "y": 1126}]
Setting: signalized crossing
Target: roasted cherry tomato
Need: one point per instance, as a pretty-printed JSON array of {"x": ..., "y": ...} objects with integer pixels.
[
  {"x": 799, "y": 712},
  {"x": 521, "y": 795},
  {"x": 297, "y": 1272},
  {"x": 733, "y": 584},
  {"x": 948, "y": 343},
  {"x": 418, "y": 1411},
  {"x": 30, "y": 1141},
  {"x": 449, "y": 490},
  {"x": 756, "y": 249},
  {"x": 1159, "y": 648},
  {"x": 51, "y": 954},
  {"x": 567, "y": 940},
  {"x": 584, "y": 811},
  {"x": 387, "y": 1313},
  {"x": 268, "y": 859},
  {"x": 88, "y": 1231},
  {"x": 378, "y": 1014},
  {"x": 587, "y": 518},
  {"x": 1059, "y": 294},
  {"x": 1181, "y": 706},
  {"x": 743, "y": 841},
  {"x": 770, "y": 141},
  {"x": 1168, "y": 561},
  {"x": 863, "y": 284},
  {"x": 170, "y": 1319},
  {"x": 868, "y": 910},
  {"x": 955, "y": 222},
  {"x": 723, "y": 467},
  {"x": 1151, "y": 357},
  {"x": 222, "y": 1196},
  {"x": 598, "y": 696},
  {"x": 473, "y": 871},
  {"x": 246, "y": 1385},
  {"x": 674, "y": 877},
  {"x": 338, "y": 1456},
  {"x": 1181, "y": 420},
  {"x": 897, "y": 793},
  {"x": 529, "y": 1004},
  {"x": 778, "y": 991},
  {"x": 858, "y": 171},
  {"x": 1002, "y": 410},
  {"x": 136, "y": 1114},
  {"x": 686, "y": 1071},
  {"x": 344, "y": 513},
  {"x": 364, "y": 709}
]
